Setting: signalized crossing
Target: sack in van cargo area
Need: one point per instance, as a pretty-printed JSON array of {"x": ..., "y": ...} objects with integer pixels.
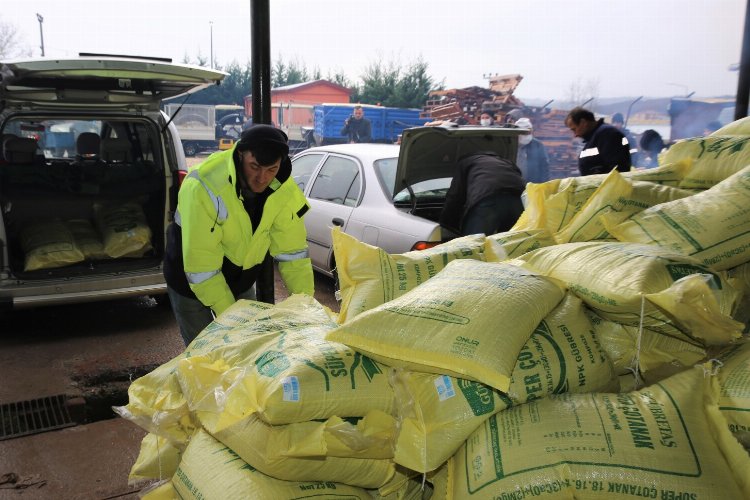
[
  {"x": 369, "y": 276},
  {"x": 712, "y": 226},
  {"x": 636, "y": 284},
  {"x": 714, "y": 158},
  {"x": 644, "y": 352},
  {"x": 281, "y": 367},
  {"x": 463, "y": 322},
  {"x": 437, "y": 412},
  {"x": 124, "y": 229},
  {"x": 48, "y": 245},
  {"x": 209, "y": 470},
  {"x": 620, "y": 199},
  {"x": 87, "y": 239},
  {"x": 734, "y": 379},
  {"x": 665, "y": 441},
  {"x": 517, "y": 243},
  {"x": 312, "y": 451}
]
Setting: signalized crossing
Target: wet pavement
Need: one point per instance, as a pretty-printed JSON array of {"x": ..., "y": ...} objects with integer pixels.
[{"x": 89, "y": 353}]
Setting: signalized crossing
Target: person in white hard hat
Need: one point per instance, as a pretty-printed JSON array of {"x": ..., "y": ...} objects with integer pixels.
[{"x": 532, "y": 155}]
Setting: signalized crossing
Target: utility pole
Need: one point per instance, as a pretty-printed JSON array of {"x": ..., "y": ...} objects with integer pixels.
[
  {"x": 41, "y": 32},
  {"x": 211, "y": 23}
]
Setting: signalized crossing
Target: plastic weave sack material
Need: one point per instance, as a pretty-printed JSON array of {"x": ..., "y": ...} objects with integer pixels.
[
  {"x": 642, "y": 285},
  {"x": 157, "y": 459},
  {"x": 463, "y": 322},
  {"x": 665, "y": 441},
  {"x": 533, "y": 216},
  {"x": 160, "y": 491},
  {"x": 714, "y": 158},
  {"x": 369, "y": 276},
  {"x": 620, "y": 199},
  {"x": 156, "y": 402},
  {"x": 209, "y": 470},
  {"x": 437, "y": 412},
  {"x": 643, "y": 352},
  {"x": 87, "y": 239},
  {"x": 307, "y": 451},
  {"x": 517, "y": 243},
  {"x": 739, "y": 278},
  {"x": 666, "y": 174},
  {"x": 124, "y": 229},
  {"x": 712, "y": 226},
  {"x": 48, "y": 245},
  {"x": 284, "y": 370},
  {"x": 734, "y": 379}
]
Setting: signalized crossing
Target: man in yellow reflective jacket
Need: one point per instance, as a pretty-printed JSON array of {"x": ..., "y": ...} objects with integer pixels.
[{"x": 232, "y": 209}]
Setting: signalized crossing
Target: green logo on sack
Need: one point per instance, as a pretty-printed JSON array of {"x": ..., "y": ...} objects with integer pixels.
[
  {"x": 680, "y": 270},
  {"x": 271, "y": 363},
  {"x": 479, "y": 396}
]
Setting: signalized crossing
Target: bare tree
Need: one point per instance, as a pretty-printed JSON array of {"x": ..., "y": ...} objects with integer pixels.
[
  {"x": 580, "y": 92},
  {"x": 11, "y": 43}
]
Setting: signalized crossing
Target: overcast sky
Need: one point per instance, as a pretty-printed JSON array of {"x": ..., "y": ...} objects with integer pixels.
[{"x": 655, "y": 48}]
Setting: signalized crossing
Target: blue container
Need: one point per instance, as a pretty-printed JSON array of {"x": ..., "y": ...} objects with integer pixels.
[{"x": 387, "y": 123}]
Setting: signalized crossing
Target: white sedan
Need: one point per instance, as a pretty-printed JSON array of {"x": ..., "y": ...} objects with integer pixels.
[{"x": 347, "y": 185}]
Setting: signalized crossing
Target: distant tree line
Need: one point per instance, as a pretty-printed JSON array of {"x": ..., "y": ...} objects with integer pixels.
[{"x": 386, "y": 83}]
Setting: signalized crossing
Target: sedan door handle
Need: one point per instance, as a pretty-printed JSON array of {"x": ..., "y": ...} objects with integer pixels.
[{"x": 338, "y": 222}]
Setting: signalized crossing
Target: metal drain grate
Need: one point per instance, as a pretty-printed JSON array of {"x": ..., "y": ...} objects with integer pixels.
[{"x": 34, "y": 416}]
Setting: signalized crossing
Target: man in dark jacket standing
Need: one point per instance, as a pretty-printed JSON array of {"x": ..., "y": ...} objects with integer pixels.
[
  {"x": 484, "y": 195},
  {"x": 605, "y": 147},
  {"x": 357, "y": 128}
]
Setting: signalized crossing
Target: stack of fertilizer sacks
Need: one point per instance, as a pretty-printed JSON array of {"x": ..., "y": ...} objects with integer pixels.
[{"x": 596, "y": 350}]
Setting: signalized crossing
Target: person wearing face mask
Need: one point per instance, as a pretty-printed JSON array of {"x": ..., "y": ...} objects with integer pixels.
[
  {"x": 532, "y": 156},
  {"x": 233, "y": 209},
  {"x": 486, "y": 118}
]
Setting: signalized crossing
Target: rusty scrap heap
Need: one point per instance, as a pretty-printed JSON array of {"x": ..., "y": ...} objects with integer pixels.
[{"x": 549, "y": 124}]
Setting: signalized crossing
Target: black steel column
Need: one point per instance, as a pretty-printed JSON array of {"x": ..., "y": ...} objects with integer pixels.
[
  {"x": 260, "y": 20},
  {"x": 743, "y": 82}
]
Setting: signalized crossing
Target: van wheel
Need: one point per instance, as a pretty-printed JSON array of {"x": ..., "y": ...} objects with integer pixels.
[{"x": 190, "y": 149}]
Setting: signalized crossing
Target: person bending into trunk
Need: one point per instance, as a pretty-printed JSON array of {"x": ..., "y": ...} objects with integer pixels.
[
  {"x": 232, "y": 209},
  {"x": 484, "y": 195}
]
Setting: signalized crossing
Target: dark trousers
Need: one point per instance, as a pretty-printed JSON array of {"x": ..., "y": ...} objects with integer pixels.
[{"x": 494, "y": 214}]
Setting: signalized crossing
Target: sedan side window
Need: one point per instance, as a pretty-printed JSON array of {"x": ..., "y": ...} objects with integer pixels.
[
  {"x": 337, "y": 182},
  {"x": 303, "y": 167}
]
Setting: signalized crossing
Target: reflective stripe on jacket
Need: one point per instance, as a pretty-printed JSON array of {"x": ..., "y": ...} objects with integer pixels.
[{"x": 216, "y": 228}]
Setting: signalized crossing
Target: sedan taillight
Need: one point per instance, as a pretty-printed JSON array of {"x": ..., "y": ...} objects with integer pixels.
[
  {"x": 424, "y": 245},
  {"x": 181, "y": 174}
]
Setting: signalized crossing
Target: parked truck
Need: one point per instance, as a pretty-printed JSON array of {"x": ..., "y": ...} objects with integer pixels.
[
  {"x": 203, "y": 126},
  {"x": 387, "y": 123}
]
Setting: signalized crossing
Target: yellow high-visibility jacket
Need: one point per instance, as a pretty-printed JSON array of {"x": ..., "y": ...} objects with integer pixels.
[{"x": 219, "y": 246}]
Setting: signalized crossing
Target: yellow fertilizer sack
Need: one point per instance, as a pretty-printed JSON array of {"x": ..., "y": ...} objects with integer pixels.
[
  {"x": 665, "y": 441},
  {"x": 644, "y": 352},
  {"x": 282, "y": 367},
  {"x": 157, "y": 459},
  {"x": 160, "y": 491},
  {"x": 156, "y": 402},
  {"x": 517, "y": 243},
  {"x": 734, "y": 379},
  {"x": 641, "y": 285},
  {"x": 437, "y": 412},
  {"x": 620, "y": 199},
  {"x": 533, "y": 216},
  {"x": 666, "y": 174},
  {"x": 463, "y": 322},
  {"x": 572, "y": 195},
  {"x": 48, "y": 245},
  {"x": 300, "y": 452},
  {"x": 209, "y": 470},
  {"x": 739, "y": 278},
  {"x": 712, "y": 226},
  {"x": 124, "y": 229},
  {"x": 87, "y": 239},
  {"x": 714, "y": 158},
  {"x": 369, "y": 276}
]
